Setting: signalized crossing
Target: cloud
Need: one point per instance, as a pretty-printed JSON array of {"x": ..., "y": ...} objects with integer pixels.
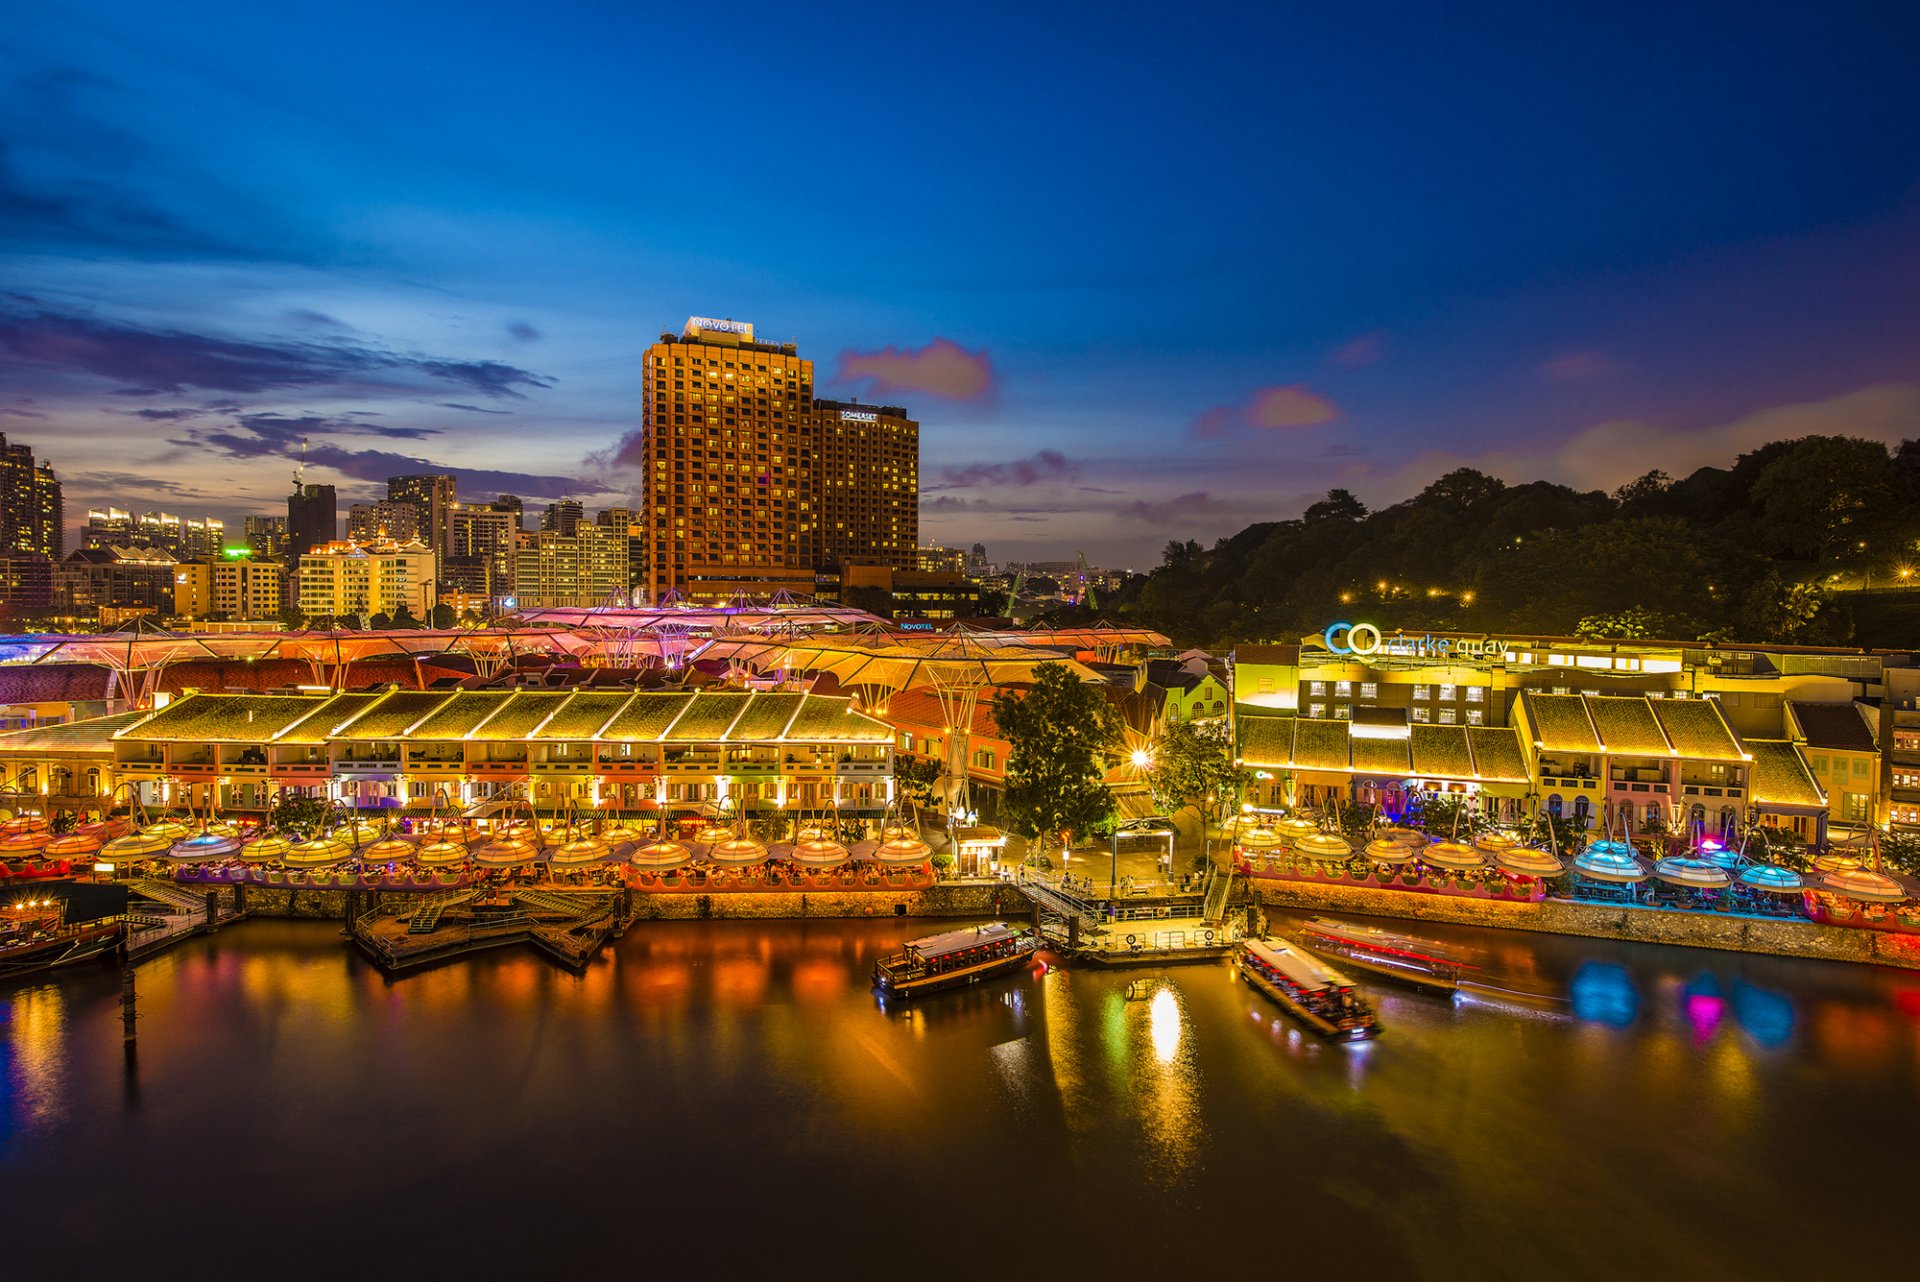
[
  {"x": 1269, "y": 408},
  {"x": 471, "y": 409},
  {"x": 1364, "y": 349},
  {"x": 1182, "y": 509},
  {"x": 151, "y": 362},
  {"x": 307, "y": 318},
  {"x": 255, "y": 436},
  {"x": 941, "y": 368},
  {"x": 522, "y": 332},
  {"x": 1575, "y": 367},
  {"x": 623, "y": 453},
  {"x": 1048, "y": 466},
  {"x": 15, "y": 411},
  {"x": 168, "y": 416}
]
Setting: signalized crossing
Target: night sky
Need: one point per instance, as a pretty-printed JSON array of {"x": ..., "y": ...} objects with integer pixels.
[{"x": 1142, "y": 272}]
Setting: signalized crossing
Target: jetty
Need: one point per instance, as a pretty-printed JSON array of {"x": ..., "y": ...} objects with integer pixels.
[{"x": 568, "y": 927}]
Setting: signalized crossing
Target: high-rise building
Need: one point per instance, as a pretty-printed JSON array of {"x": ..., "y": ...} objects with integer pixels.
[
  {"x": 434, "y": 495},
  {"x": 313, "y": 518},
  {"x": 626, "y": 519},
  {"x": 515, "y": 504},
  {"x": 266, "y": 535},
  {"x": 395, "y": 519},
  {"x": 866, "y": 479},
  {"x": 114, "y": 578},
  {"x": 367, "y": 579},
  {"x": 232, "y": 586},
  {"x": 26, "y": 585},
  {"x": 579, "y": 570},
  {"x": 939, "y": 560},
  {"x": 32, "y": 510},
  {"x": 726, "y": 434},
  {"x": 480, "y": 560},
  {"x": 182, "y": 536},
  {"x": 563, "y": 516}
]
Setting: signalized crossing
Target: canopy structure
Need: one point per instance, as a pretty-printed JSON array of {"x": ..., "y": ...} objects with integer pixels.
[
  {"x": 1864, "y": 884},
  {"x": 1527, "y": 861},
  {"x": 1772, "y": 878},
  {"x": 1610, "y": 861},
  {"x": 1412, "y": 838},
  {"x": 1383, "y": 851},
  {"x": 659, "y": 856},
  {"x": 203, "y": 846},
  {"x": 1323, "y": 846},
  {"x": 1456, "y": 855},
  {"x": 1695, "y": 874}
]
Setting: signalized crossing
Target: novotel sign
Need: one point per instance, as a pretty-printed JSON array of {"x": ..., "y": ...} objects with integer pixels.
[
  {"x": 858, "y": 416},
  {"x": 1364, "y": 641},
  {"x": 712, "y": 326}
]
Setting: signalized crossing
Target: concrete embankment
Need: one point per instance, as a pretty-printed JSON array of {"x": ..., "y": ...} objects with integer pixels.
[
  {"x": 949, "y": 899},
  {"x": 1783, "y": 938}
]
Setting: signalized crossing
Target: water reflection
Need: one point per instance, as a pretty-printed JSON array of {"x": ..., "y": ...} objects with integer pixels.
[{"x": 752, "y": 1058}]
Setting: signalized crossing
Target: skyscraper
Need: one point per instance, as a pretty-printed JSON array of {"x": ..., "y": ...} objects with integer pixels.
[
  {"x": 581, "y": 569},
  {"x": 726, "y": 433},
  {"x": 563, "y": 516},
  {"x": 434, "y": 495},
  {"x": 388, "y": 519},
  {"x": 266, "y": 535},
  {"x": 32, "y": 509},
  {"x": 313, "y": 518},
  {"x": 866, "y": 477}
]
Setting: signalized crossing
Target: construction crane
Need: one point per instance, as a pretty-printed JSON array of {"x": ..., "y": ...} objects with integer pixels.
[{"x": 1087, "y": 597}]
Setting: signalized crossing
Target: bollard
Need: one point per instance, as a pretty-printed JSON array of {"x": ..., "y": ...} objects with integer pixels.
[
  {"x": 240, "y": 898},
  {"x": 127, "y": 998},
  {"x": 1073, "y": 932},
  {"x": 213, "y": 911}
]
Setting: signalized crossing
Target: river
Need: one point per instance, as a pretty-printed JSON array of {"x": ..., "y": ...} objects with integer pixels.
[{"x": 728, "y": 1097}]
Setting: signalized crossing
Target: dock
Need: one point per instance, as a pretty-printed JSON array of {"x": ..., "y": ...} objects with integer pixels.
[
  {"x": 568, "y": 927},
  {"x": 1135, "y": 930}
]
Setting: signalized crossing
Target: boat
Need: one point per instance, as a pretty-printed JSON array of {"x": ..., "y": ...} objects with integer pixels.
[
  {"x": 954, "y": 959},
  {"x": 1404, "y": 959},
  {"x": 1309, "y": 990},
  {"x": 35, "y": 937}
]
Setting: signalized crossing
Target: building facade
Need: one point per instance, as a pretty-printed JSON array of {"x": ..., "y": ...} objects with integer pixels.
[
  {"x": 313, "y": 519},
  {"x": 866, "y": 479},
  {"x": 432, "y": 497},
  {"x": 582, "y": 569},
  {"x": 229, "y": 586},
  {"x": 365, "y": 579},
  {"x": 395, "y": 519},
  {"x": 32, "y": 508},
  {"x": 182, "y": 536},
  {"x": 482, "y": 550},
  {"x": 114, "y": 582},
  {"x": 266, "y": 535}
]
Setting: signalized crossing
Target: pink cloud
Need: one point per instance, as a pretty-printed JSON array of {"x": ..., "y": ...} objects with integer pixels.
[
  {"x": 941, "y": 368},
  {"x": 1271, "y": 408},
  {"x": 1362, "y": 350}
]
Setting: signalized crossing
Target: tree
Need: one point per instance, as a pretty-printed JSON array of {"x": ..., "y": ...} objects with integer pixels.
[
  {"x": 916, "y": 776},
  {"x": 403, "y": 619},
  {"x": 1059, "y": 732},
  {"x": 1190, "y": 761},
  {"x": 1824, "y": 495},
  {"x": 291, "y": 618},
  {"x": 1339, "y": 505},
  {"x": 1636, "y": 623},
  {"x": 381, "y": 621},
  {"x": 1643, "y": 488},
  {"x": 442, "y": 617},
  {"x": 299, "y": 814}
]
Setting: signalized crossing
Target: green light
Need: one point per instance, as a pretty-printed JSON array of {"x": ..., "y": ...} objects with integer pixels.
[{"x": 236, "y": 552}]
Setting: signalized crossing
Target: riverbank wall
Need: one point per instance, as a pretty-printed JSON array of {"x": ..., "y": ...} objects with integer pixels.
[
  {"x": 1782, "y": 938},
  {"x": 948, "y": 899}
]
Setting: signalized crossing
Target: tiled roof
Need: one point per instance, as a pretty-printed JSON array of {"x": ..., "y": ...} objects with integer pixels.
[
  {"x": 1496, "y": 754},
  {"x": 584, "y": 715},
  {"x": 766, "y": 716},
  {"x": 520, "y": 714},
  {"x": 1381, "y": 756},
  {"x": 920, "y": 712},
  {"x": 1780, "y": 776},
  {"x": 1833, "y": 726},
  {"x": 52, "y": 683},
  {"x": 94, "y": 735},
  {"x": 1442, "y": 751},
  {"x": 824, "y": 720},
  {"x": 1697, "y": 729},
  {"x": 329, "y": 716},
  {"x": 1627, "y": 725},
  {"x": 1320, "y": 745},
  {"x": 391, "y": 716},
  {"x": 460, "y": 715},
  {"x": 708, "y": 719},
  {"x": 226, "y": 718},
  {"x": 1560, "y": 722},
  {"x": 647, "y": 716},
  {"x": 1265, "y": 741}
]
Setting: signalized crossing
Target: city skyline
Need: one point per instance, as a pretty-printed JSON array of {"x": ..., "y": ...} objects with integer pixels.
[{"x": 1690, "y": 241}]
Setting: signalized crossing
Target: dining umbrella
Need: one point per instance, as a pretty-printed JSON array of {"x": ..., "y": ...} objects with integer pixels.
[
  {"x": 1773, "y": 879},
  {"x": 903, "y": 850},
  {"x": 580, "y": 852},
  {"x": 388, "y": 850},
  {"x": 1613, "y": 861},
  {"x": 1694, "y": 874},
  {"x": 820, "y": 852},
  {"x": 1455, "y": 855},
  {"x": 504, "y": 851},
  {"x": 1258, "y": 839},
  {"x": 266, "y": 848},
  {"x": 1295, "y": 828},
  {"x": 320, "y": 852},
  {"x": 738, "y": 852},
  {"x": 1412, "y": 838},
  {"x": 202, "y": 847},
  {"x": 1864, "y": 884},
  {"x": 1382, "y": 850},
  {"x": 440, "y": 853},
  {"x": 1323, "y": 846},
  {"x": 138, "y": 845},
  {"x": 660, "y": 856}
]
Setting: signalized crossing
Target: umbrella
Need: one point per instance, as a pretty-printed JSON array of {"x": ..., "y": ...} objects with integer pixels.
[
  {"x": 508, "y": 852},
  {"x": 265, "y": 848},
  {"x": 1610, "y": 861},
  {"x": 171, "y": 829},
  {"x": 440, "y": 854},
  {"x": 1772, "y": 878},
  {"x": 205, "y": 846},
  {"x": 1714, "y": 853},
  {"x": 139, "y": 845},
  {"x": 1695, "y": 874},
  {"x": 1457, "y": 855},
  {"x": 74, "y": 844},
  {"x": 1323, "y": 845},
  {"x": 1412, "y": 838},
  {"x": 386, "y": 851},
  {"x": 738, "y": 852},
  {"x": 580, "y": 852},
  {"x": 321, "y": 852},
  {"x": 1864, "y": 884},
  {"x": 1383, "y": 851},
  {"x": 903, "y": 850},
  {"x": 1528, "y": 861},
  {"x": 819, "y": 852},
  {"x": 713, "y": 834},
  {"x": 659, "y": 856},
  {"x": 24, "y": 842},
  {"x": 1295, "y": 828},
  {"x": 1836, "y": 863},
  {"x": 1259, "y": 839}
]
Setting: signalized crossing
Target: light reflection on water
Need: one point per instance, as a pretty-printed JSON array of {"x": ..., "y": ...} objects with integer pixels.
[{"x": 712, "y": 1068}]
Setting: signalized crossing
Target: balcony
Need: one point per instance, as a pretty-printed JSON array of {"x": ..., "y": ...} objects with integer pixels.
[
  {"x": 1733, "y": 791},
  {"x": 1570, "y": 783}
]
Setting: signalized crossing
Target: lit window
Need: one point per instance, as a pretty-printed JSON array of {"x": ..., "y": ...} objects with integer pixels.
[
  {"x": 1343, "y": 689},
  {"x": 1476, "y": 694},
  {"x": 1448, "y": 716},
  {"x": 1317, "y": 688},
  {"x": 1448, "y": 692},
  {"x": 1369, "y": 689},
  {"x": 1316, "y": 710},
  {"x": 1423, "y": 714},
  {"x": 1423, "y": 692}
]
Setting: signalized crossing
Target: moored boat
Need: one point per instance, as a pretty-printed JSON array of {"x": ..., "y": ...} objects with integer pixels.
[
  {"x": 1309, "y": 990},
  {"x": 34, "y": 937},
  {"x": 954, "y": 959}
]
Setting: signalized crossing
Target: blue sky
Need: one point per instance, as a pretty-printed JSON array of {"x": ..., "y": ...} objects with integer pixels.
[{"x": 1141, "y": 274}]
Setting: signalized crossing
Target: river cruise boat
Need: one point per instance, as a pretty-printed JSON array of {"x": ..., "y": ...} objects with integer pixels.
[
  {"x": 954, "y": 959},
  {"x": 1403, "y": 959},
  {"x": 35, "y": 938},
  {"x": 1307, "y": 989}
]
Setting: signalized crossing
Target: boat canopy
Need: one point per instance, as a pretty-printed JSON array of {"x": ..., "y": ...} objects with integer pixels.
[
  {"x": 1297, "y": 966},
  {"x": 957, "y": 941}
]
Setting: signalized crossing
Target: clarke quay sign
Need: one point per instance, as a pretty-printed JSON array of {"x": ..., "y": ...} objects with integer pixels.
[{"x": 1365, "y": 641}]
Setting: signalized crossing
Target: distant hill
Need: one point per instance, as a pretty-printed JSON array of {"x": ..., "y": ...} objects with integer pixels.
[{"x": 1765, "y": 550}]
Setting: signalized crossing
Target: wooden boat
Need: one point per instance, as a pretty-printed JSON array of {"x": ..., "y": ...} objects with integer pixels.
[
  {"x": 1312, "y": 992},
  {"x": 954, "y": 959},
  {"x": 33, "y": 938},
  {"x": 1403, "y": 959}
]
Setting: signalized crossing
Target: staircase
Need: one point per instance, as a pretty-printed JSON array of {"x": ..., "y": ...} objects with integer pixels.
[
  {"x": 165, "y": 892},
  {"x": 1219, "y": 890},
  {"x": 582, "y": 906},
  {"x": 426, "y": 918},
  {"x": 1062, "y": 903}
]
